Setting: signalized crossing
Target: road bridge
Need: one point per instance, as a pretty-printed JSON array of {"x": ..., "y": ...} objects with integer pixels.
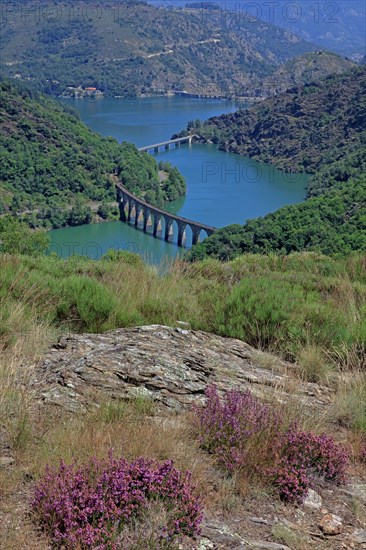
[{"x": 166, "y": 144}]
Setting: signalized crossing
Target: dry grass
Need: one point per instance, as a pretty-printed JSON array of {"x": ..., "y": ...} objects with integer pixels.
[
  {"x": 350, "y": 400},
  {"x": 358, "y": 509},
  {"x": 16, "y": 403},
  {"x": 291, "y": 538},
  {"x": 268, "y": 361},
  {"x": 20, "y": 348},
  {"x": 17, "y": 361},
  {"x": 97, "y": 296},
  {"x": 132, "y": 429},
  {"x": 314, "y": 365},
  {"x": 349, "y": 358},
  {"x": 143, "y": 534},
  {"x": 127, "y": 428},
  {"x": 165, "y": 300},
  {"x": 132, "y": 432},
  {"x": 17, "y": 531}
]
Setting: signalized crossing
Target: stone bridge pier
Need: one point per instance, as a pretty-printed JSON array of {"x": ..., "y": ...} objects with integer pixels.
[
  {"x": 196, "y": 230},
  {"x": 146, "y": 218}
]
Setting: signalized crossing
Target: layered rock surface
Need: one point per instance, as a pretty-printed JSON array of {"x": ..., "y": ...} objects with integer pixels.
[{"x": 172, "y": 366}]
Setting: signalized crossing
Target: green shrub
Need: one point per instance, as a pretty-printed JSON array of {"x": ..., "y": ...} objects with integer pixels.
[
  {"x": 281, "y": 304},
  {"x": 91, "y": 302},
  {"x": 123, "y": 256},
  {"x": 278, "y": 314}
]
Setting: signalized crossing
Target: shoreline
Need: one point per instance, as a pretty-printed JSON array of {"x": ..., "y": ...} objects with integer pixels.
[{"x": 240, "y": 99}]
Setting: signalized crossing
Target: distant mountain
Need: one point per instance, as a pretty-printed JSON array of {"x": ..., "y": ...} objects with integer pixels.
[
  {"x": 132, "y": 48},
  {"x": 306, "y": 68},
  {"x": 339, "y": 26}
]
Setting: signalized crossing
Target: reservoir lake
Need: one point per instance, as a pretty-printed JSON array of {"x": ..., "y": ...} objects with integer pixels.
[{"x": 222, "y": 188}]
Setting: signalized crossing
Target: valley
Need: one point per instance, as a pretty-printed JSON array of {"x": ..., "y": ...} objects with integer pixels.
[
  {"x": 319, "y": 128},
  {"x": 221, "y": 188}
]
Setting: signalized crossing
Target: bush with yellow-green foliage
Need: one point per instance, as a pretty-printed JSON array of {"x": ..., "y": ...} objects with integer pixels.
[
  {"x": 17, "y": 238},
  {"x": 303, "y": 307}
]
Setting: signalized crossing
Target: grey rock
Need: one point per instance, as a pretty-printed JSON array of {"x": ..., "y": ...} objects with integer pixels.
[
  {"x": 205, "y": 544},
  {"x": 313, "y": 500},
  {"x": 171, "y": 366},
  {"x": 265, "y": 545},
  {"x": 357, "y": 490},
  {"x": 223, "y": 538},
  {"x": 359, "y": 536}
]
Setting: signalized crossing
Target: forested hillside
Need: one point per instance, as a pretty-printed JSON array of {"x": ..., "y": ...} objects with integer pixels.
[
  {"x": 304, "y": 69},
  {"x": 53, "y": 165},
  {"x": 319, "y": 128},
  {"x": 334, "y": 223},
  {"x": 129, "y": 48},
  {"x": 301, "y": 130}
]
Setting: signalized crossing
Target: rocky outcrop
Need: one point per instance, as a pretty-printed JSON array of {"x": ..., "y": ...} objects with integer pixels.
[
  {"x": 218, "y": 536},
  {"x": 171, "y": 366}
]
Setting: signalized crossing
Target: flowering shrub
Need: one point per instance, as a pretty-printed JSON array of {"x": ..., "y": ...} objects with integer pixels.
[
  {"x": 303, "y": 455},
  {"x": 225, "y": 426},
  {"x": 229, "y": 428},
  {"x": 88, "y": 505}
]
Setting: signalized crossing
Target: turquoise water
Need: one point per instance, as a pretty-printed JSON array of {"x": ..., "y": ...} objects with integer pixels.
[
  {"x": 222, "y": 188},
  {"x": 94, "y": 240},
  {"x": 147, "y": 120}
]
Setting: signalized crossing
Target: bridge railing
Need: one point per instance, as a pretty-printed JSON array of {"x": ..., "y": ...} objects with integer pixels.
[{"x": 167, "y": 142}]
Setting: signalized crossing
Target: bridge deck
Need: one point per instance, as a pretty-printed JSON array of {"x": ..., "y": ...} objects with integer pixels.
[
  {"x": 167, "y": 142},
  {"x": 165, "y": 212}
]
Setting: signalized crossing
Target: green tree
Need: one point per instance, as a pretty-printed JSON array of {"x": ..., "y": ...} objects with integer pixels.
[
  {"x": 17, "y": 238},
  {"x": 80, "y": 214}
]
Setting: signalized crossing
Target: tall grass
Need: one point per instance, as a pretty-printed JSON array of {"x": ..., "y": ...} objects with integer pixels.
[
  {"x": 304, "y": 307},
  {"x": 307, "y": 308},
  {"x": 350, "y": 403}
]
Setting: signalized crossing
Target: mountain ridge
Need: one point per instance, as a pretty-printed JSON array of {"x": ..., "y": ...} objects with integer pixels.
[
  {"x": 128, "y": 50},
  {"x": 299, "y": 129},
  {"x": 338, "y": 26}
]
